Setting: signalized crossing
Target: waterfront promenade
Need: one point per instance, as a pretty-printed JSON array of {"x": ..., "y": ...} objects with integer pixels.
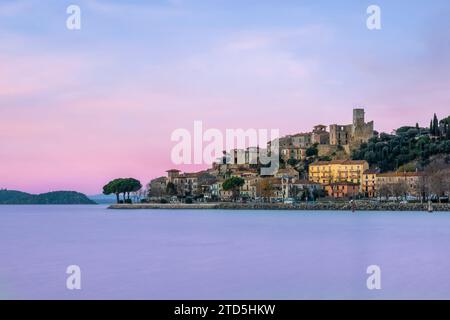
[{"x": 341, "y": 206}]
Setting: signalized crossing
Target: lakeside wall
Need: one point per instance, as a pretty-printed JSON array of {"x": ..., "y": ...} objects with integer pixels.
[{"x": 334, "y": 206}]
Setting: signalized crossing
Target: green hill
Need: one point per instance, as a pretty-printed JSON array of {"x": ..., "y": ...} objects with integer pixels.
[
  {"x": 57, "y": 197},
  {"x": 408, "y": 144}
]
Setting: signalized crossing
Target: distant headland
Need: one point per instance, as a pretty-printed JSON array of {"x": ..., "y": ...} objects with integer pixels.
[{"x": 56, "y": 197}]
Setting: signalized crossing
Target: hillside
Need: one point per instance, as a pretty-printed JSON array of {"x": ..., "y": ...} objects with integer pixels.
[
  {"x": 57, "y": 197},
  {"x": 408, "y": 144},
  {"x": 103, "y": 199}
]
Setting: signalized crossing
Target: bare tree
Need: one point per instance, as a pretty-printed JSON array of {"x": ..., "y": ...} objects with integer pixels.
[
  {"x": 423, "y": 188},
  {"x": 264, "y": 189},
  {"x": 399, "y": 189},
  {"x": 384, "y": 191},
  {"x": 436, "y": 173},
  {"x": 156, "y": 188}
]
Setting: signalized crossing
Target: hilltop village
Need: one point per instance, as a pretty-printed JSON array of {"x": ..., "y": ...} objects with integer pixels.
[{"x": 318, "y": 164}]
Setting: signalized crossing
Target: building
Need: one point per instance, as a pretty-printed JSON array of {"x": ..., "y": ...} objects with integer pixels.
[
  {"x": 340, "y": 134},
  {"x": 186, "y": 184},
  {"x": 368, "y": 183},
  {"x": 320, "y": 135},
  {"x": 157, "y": 188},
  {"x": 172, "y": 174},
  {"x": 399, "y": 183},
  {"x": 243, "y": 156},
  {"x": 301, "y": 140},
  {"x": 352, "y": 134},
  {"x": 248, "y": 190},
  {"x": 299, "y": 189},
  {"x": 337, "y": 171},
  {"x": 342, "y": 189},
  {"x": 288, "y": 172},
  {"x": 292, "y": 153},
  {"x": 217, "y": 192}
]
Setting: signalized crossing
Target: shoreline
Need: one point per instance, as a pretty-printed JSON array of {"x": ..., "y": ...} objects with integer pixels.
[{"x": 318, "y": 206}]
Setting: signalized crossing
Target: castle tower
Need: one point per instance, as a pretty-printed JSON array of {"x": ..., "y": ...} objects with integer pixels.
[
  {"x": 358, "y": 118},
  {"x": 173, "y": 173}
]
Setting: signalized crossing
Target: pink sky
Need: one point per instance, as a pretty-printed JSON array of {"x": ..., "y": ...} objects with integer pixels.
[{"x": 80, "y": 109}]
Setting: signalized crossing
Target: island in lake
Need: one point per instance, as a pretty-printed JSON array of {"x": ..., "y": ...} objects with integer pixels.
[{"x": 56, "y": 197}]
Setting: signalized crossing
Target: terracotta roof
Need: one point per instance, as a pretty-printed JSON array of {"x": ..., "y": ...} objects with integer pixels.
[
  {"x": 173, "y": 170},
  {"x": 342, "y": 162},
  {"x": 401, "y": 174},
  {"x": 343, "y": 184}
]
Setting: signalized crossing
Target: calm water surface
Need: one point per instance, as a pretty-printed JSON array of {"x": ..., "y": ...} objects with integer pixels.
[{"x": 150, "y": 254}]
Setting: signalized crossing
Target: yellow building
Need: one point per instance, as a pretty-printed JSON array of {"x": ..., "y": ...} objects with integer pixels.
[
  {"x": 369, "y": 182},
  {"x": 336, "y": 171}
]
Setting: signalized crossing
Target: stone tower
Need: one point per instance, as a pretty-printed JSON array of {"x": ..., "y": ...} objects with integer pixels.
[
  {"x": 358, "y": 118},
  {"x": 361, "y": 131}
]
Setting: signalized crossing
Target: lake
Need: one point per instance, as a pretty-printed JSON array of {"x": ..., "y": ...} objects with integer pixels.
[{"x": 215, "y": 254}]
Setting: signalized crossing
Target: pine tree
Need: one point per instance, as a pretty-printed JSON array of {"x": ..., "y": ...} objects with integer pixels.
[
  {"x": 431, "y": 127},
  {"x": 435, "y": 125}
]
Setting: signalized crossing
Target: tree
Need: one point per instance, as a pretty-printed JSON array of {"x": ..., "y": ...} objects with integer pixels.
[
  {"x": 423, "y": 187},
  {"x": 399, "y": 189},
  {"x": 264, "y": 189},
  {"x": 113, "y": 187},
  {"x": 130, "y": 185},
  {"x": 122, "y": 185},
  {"x": 293, "y": 162},
  {"x": 312, "y": 151},
  {"x": 318, "y": 193},
  {"x": 384, "y": 191},
  {"x": 171, "y": 189},
  {"x": 157, "y": 188},
  {"x": 435, "y": 125},
  {"x": 233, "y": 184},
  {"x": 436, "y": 173},
  {"x": 295, "y": 192}
]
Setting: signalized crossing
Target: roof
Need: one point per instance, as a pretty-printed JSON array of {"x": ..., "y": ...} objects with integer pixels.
[
  {"x": 287, "y": 170},
  {"x": 270, "y": 179},
  {"x": 173, "y": 170},
  {"x": 371, "y": 171},
  {"x": 191, "y": 174},
  {"x": 302, "y": 134},
  {"x": 303, "y": 181},
  {"x": 160, "y": 179},
  {"x": 342, "y": 162},
  {"x": 275, "y": 181},
  {"x": 344, "y": 183},
  {"x": 401, "y": 174}
]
